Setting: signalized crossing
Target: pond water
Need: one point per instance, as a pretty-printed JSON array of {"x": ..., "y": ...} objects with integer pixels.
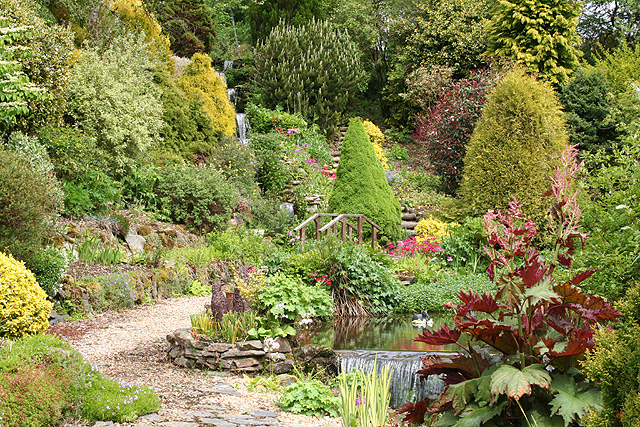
[{"x": 380, "y": 333}]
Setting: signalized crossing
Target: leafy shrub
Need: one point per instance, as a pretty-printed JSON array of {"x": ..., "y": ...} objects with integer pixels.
[
  {"x": 309, "y": 397},
  {"x": 464, "y": 246},
  {"x": 311, "y": 69},
  {"x": 24, "y": 309},
  {"x": 610, "y": 208},
  {"x": 359, "y": 280},
  {"x": 199, "y": 196},
  {"x": 118, "y": 290},
  {"x": 28, "y": 202},
  {"x": 138, "y": 188},
  {"x": 515, "y": 147},
  {"x": 49, "y": 265},
  {"x": 614, "y": 365},
  {"x": 236, "y": 161},
  {"x": 264, "y": 120},
  {"x": 137, "y": 19},
  {"x": 190, "y": 25},
  {"x": 272, "y": 173},
  {"x": 433, "y": 294},
  {"x": 46, "y": 64},
  {"x": 123, "y": 122},
  {"x": 377, "y": 139},
  {"x": 200, "y": 82},
  {"x": 33, "y": 395},
  {"x": 90, "y": 193},
  {"x": 285, "y": 297},
  {"x": 72, "y": 153},
  {"x": 361, "y": 187},
  {"x": 187, "y": 129},
  {"x": 240, "y": 244},
  {"x": 445, "y": 130},
  {"x": 432, "y": 227}
]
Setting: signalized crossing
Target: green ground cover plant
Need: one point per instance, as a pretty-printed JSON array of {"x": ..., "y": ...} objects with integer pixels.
[
  {"x": 45, "y": 379},
  {"x": 309, "y": 397}
]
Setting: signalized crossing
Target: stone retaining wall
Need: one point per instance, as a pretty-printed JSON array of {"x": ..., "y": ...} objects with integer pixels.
[{"x": 191, "y": 351}]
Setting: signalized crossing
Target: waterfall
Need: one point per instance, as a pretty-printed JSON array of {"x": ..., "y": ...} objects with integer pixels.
[
  {"x": 243, "y": 127},
  {"x": 405, "y": 383},
  {"x": 241, "y": 118},
  {"x": 231, "y": 94}
]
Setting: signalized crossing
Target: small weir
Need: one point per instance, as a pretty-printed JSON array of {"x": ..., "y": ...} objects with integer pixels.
[{"x": 405, "y": 383}]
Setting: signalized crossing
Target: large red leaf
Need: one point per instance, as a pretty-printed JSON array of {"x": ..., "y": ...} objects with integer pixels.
[
  {"x": 457, "y": 368},
  {"x": 498, "y": 335},
  {"x": 440, "y": 337},
  {"x": 532, "y": 273},
  {"x": 474, "y": 302},
  {"x": 580, "y": 277},
  {"x": 414, "y": 413}
]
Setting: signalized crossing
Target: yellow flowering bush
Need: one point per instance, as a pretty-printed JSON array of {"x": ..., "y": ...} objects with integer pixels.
[
  {"x": 377, "y": 138},
  {"x": 24, "y": 309},
  {"x": 432, "y": 227},
  {"x": 250, "y": 288}
]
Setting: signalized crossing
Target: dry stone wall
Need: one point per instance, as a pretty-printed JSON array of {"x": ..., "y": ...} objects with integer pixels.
[{"x": 190, "y": 351}]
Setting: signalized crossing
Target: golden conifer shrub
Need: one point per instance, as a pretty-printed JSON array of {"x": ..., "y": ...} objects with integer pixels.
[{"x": 24, "y": 309}]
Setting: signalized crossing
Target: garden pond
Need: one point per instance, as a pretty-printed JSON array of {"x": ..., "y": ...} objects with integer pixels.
[{"x": 363, "y": 343}]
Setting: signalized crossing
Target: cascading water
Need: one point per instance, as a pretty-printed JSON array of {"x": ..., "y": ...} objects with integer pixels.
[
  {"x": 243, "y": 127},
  {"x": 241, "y": 118},
  {"x": 405, "y": 383}
]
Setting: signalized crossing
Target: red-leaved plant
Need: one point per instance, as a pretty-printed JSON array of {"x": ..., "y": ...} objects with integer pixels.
[{"x": 520, "y": 347}]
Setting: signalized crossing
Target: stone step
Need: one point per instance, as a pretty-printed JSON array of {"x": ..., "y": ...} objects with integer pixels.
[
  {"x": 407, "y": 216},
  {"x": 409, "y": 224},
  {"x": 335, "y": 153}
]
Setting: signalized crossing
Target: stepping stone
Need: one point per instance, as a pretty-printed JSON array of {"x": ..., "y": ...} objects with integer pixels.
[
  {"x": 224, "y": 388},
  {"x": 256, "y": 422},
  {"x": 217, "y": 422},
  {"x": 179, "y": 424},
  {"x": 236, "y": 418},
  {"x": 263, "y": 414},
  {"x": 103, "y": 424},
  {"x": 151, "y": 417},
  {"x": 200, "y": 414},
  {"x": 212, "y": 407}
]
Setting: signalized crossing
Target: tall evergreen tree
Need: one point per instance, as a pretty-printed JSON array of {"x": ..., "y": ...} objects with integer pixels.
[
  {"x": 540, "y": 34},
  {"x": 361, "y": 186}
]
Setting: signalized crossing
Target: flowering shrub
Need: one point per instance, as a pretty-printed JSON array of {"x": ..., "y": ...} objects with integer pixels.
[
  {"x": 447, "y": 130},
  {"x": 415, "y": 245},
  {"x": 433, "y": 227}
]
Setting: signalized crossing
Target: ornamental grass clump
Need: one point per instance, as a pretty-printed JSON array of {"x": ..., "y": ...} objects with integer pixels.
[
  {"x": 364, "y": 398},
  {"x": 518, "y": 359}
]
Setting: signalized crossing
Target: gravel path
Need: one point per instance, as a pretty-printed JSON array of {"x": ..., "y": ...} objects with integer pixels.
[{"x": 131, "y": 346}]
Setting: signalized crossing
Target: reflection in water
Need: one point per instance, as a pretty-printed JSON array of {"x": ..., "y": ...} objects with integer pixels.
[{"x": 387, "y": 333}]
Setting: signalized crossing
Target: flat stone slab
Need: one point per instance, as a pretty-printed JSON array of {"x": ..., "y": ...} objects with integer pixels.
[
  {"x": 151, "y": 417},
  {"x": 256, "y": 422},
  {"x": 224, "y": 388},
  {"x": 178, "y": 424},
  {"x": 217, "y": 422},
  {"x": 263, "y": 414},
  {"x": 103, "y": 424},
  {"x": 200, "y": 414},
  {"x": 212, "y": 407}
]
